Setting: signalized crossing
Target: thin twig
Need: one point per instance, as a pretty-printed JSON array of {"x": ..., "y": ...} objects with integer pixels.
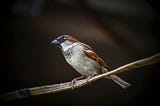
[{"x": 47, "y": 89}]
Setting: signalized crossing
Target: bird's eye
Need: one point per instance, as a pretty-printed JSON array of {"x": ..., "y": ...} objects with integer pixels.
[{"x": 62, "y": 39}]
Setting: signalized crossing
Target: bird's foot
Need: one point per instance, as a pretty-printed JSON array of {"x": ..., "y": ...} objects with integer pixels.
[
  {"x": 75, "y": 79},
  {"x": 89, "y": 77}
]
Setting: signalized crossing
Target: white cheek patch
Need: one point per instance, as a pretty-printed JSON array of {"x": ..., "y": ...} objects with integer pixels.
[
  {"x": 65, "y": 48},
  {"x": 67, "y": 45}
]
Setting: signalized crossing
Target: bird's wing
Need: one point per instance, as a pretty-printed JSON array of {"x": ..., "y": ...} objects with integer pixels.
[{"x": 90, "y": 53}]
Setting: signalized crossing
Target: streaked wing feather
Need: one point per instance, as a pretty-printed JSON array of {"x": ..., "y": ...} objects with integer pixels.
[{"x": 93, "y": 55}]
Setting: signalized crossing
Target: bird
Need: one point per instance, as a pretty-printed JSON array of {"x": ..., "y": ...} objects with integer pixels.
[{"x": 84, "y": 59}]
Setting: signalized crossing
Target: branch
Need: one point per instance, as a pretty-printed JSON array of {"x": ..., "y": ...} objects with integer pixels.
[{"x": 47, "y": 89}]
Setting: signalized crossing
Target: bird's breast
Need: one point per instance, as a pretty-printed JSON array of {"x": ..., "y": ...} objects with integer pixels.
[{"x": 83, "y": 64}]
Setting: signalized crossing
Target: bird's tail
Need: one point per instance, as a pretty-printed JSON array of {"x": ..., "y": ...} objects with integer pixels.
[{"x": 119, "y": 81}]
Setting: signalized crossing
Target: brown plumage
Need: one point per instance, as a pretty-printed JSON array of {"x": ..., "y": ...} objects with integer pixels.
[{"x": 84, "y": 59}]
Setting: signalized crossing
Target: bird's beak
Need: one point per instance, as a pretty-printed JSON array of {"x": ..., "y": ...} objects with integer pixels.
[{"x": 56, "y": 42}]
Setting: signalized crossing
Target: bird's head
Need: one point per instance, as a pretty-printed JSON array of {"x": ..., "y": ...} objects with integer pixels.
[{"x": 64, "y": 41}]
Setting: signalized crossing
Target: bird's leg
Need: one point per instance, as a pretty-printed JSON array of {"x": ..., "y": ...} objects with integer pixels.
[
  {"x": 89, "y": 77},
  {"x": 75, "y": 79}
]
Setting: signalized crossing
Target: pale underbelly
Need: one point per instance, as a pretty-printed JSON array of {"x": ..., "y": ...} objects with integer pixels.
[{"x": 85, "y": 66}]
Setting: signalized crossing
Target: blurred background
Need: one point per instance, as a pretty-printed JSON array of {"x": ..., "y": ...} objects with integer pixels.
[{"x": 121, "y": 31}]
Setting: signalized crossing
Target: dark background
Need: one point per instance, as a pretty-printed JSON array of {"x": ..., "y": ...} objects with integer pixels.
[{"x": 121, "y": 31}]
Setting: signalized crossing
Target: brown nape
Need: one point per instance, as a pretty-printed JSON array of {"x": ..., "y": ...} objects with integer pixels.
[{"x": 72, "y": 39}]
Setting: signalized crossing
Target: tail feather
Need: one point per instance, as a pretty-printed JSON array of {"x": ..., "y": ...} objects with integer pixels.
[{"x": 119, "y": 81}]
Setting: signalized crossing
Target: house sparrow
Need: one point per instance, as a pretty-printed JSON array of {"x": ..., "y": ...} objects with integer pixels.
[{"x": 84, "y": 59}]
